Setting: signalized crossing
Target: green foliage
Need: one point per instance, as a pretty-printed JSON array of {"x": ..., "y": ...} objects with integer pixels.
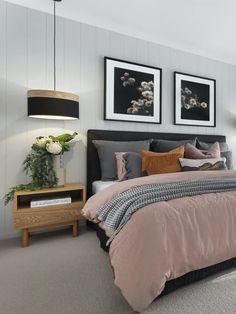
[
  {"x": 21, "y": 187},
  {"x": 39, "y": 163},
  {"x": 64, "y": 140},
  {"x": 40, "y": 166}
]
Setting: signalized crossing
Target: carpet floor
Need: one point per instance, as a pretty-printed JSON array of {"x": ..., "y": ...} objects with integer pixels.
[{"x": 58, "y": 274}]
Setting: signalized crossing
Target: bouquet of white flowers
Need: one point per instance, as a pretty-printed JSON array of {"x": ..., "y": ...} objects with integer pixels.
[
  {"x": 39, "y": 162},
  {"x": 54, "y": 145}
]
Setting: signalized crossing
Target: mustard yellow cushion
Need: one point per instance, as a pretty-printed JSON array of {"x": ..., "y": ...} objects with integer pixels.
[{"x": 156, "y": 163}]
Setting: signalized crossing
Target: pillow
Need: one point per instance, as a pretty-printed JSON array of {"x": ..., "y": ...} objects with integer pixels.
[
  {"x": 202, "y": 164},
  {"x": 229, "y": 159},
  {"x": 205, "y": 146},
  {"x": 164, "y": 146},
  {"x": 120, "y": 165},
  {"x": 193, "y": 152},
  {"x": 106, "y": 152},
  {"x": 155, "y": 163},
  {"x": 129, "y": 165}
]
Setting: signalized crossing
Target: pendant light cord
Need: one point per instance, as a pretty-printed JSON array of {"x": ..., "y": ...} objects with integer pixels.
[{"x": 54, "y": 52}]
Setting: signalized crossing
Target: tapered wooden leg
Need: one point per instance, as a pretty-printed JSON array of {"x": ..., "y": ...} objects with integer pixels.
[
  {"x": 75, "y": 229},
  {"x": 25, "y": 237}
]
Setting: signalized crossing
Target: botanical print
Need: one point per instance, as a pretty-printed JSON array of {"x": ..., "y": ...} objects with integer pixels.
[
  {"x": 133, "y": 92},
  {"x": 194, "y": 101}
]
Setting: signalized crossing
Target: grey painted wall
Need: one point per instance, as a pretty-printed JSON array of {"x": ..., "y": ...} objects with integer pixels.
[{"x": 26, "y": 61}]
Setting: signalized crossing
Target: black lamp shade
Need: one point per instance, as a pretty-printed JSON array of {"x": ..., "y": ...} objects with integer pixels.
[{"x": 46, "y": 104}]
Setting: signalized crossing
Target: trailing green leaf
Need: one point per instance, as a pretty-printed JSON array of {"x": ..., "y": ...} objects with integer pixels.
[
  {"x": 21, "y": 187},
  {"x": 39, "y": 165}
]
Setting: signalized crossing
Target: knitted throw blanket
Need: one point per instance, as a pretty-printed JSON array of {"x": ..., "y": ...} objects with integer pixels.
[{"x": 117, "y": 212}]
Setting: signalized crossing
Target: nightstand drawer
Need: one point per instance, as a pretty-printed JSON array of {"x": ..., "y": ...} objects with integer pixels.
[{"x": 42, "y": 218}]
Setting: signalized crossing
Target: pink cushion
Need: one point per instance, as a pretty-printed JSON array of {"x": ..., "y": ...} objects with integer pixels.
[
  {"x": 192, "y": 152},
  {"x": 120, "y": 163}
]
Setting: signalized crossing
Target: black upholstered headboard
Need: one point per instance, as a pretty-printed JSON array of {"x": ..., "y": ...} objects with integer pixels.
[{"x": 93, "y": 165}]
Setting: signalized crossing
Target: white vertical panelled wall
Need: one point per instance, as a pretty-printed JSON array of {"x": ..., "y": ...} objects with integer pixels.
[{"x": 26, "y": 62}]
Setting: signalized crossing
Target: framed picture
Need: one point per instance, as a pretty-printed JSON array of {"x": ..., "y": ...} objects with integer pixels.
[
  {"x": 132, "y": 92},
  {"x": 195, "y": 100}
]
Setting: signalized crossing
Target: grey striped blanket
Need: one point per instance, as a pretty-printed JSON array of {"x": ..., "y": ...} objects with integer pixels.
[{"x": 116, "y": 212}]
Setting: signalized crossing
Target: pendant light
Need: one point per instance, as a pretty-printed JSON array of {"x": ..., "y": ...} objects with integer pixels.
[{"x": 53, "y": 104}]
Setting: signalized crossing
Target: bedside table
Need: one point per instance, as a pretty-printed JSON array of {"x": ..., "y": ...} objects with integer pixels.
[{"x": 30, "y": 219}]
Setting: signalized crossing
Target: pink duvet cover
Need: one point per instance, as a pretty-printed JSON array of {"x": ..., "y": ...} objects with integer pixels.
[{"x": 166, "y": 240}]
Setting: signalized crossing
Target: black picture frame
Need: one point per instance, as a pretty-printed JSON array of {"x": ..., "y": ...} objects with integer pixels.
[
  {"x": 117, "y": 100},
  {"x": 198, "y": 108}
]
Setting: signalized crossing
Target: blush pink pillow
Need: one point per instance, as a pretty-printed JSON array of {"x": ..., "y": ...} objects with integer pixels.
[
  {"x": 120, "y": 163},
  {"x": 192, "y": 152}
]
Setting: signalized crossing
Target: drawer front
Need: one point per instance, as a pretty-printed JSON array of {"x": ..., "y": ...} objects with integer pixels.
[{"x": 40, "y": 218}]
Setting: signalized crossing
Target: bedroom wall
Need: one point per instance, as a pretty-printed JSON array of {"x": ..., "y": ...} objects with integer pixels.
[{"x": 26, "y": 61}]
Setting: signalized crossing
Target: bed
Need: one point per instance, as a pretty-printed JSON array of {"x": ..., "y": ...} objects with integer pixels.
[{"x": 94, "y": 174}]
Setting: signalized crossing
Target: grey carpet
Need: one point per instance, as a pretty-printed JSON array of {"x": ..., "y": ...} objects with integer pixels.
[{"x": 59, "y": 274}]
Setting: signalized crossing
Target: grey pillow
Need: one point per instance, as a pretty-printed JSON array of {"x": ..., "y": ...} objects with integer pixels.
[
  {"x": 133, "y": 165},
  {"x": 229, "y": 159},
  {"x": 205, "y": 146},
  {"x": 106, "y": 152},
  {"x": 164, "y": 146}
]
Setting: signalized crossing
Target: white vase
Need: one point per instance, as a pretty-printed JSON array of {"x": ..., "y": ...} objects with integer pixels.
[{"x": 58, "y": 165}]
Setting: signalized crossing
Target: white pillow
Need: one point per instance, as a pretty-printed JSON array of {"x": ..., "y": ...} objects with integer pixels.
[{"x": 202, "y": 164}]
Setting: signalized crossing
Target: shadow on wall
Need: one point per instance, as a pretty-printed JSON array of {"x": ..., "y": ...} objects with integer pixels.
[
  {"x": 75, "y": 163},
  {"x": 13, "y": 126},
  {"x": 231, "y": 137},
  {"x": 231, "y": 118}
]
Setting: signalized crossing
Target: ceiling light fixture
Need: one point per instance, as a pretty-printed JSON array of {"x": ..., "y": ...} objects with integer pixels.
[{"x": 53, "y": 104}]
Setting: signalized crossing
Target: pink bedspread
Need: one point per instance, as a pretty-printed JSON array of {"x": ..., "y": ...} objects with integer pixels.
[{"x": 166, "y": 240}]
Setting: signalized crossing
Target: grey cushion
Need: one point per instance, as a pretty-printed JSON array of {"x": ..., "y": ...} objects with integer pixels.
[
  {"x": 133, "y": 165},
  {"x": 164, "y": 146},
  {"x": 106, "y": 152},
  {"x": 205, "y": 146},
  {"x": 229, "y": 159}
]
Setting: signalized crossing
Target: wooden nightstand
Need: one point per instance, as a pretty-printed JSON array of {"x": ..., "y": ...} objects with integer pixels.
[{"x": 31, "y": 219}]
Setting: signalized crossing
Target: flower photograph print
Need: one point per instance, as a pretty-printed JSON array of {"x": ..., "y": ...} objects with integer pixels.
[
  {"x": 195, "y": 102},
  {"x": 132, "y": 92}
]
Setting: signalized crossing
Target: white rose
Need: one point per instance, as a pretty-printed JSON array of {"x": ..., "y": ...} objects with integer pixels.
[
  {"x": 54, "y": 148},
  {"x": 41, "y": 142}
]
